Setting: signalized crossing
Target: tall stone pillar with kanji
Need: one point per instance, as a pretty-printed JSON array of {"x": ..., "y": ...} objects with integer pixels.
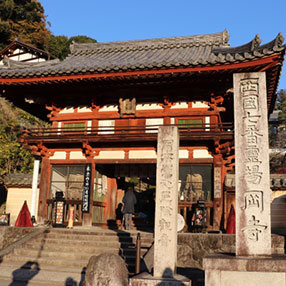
[
  {"x": 252, "y": 187},
  {"x": 165, "y": 251}
]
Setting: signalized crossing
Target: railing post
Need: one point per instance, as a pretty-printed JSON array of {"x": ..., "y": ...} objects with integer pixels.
[{"x": 138, "y": 253}]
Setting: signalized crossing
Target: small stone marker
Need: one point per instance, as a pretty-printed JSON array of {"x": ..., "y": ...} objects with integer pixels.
[
  {"x": 165, "y": 244},
  {"x": 252, "y": 187}
]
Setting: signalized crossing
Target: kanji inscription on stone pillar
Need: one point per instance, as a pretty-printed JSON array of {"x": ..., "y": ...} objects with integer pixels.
[
  {"x": 252, "y": 179},
  {"x": 165, "y": 248}
]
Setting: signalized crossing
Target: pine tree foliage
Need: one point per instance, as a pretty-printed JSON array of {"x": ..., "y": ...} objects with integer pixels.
[
  {"x": 25, "y": 20},
  {"x": 14, "y": 158},
  {"x": 59, "y": 46}
]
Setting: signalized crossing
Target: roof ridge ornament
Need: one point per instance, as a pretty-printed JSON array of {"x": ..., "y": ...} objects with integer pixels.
[
  {"x": 279, "y": 40},
  {"x": 255, "y": 42},
  {"x": 225, "y": 37}
]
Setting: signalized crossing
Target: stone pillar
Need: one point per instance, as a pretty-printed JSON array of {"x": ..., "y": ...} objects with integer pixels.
[
  {"x": 165, "y": 246},
  {"x": 252, "y": 182},
  {"x": 34, "y": 187},
  {"x": 218, "y": 192}
]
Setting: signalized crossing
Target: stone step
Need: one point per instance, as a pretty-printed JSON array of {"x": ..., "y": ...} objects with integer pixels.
[
  {"x": 121, "y": 234},
  {"x": 124, "y": 239},
  {"x": 79, "y": 243},
  {"x": 40, "y": 241},
  {"x": 126, "y": 249},
  {"x": 65, "y": 248},
  {"x": 59, "y": 263},
  {"x": 77, "y": 263},
  {"x": 128, "y": 256},
  {"x": 41, "y": 275},
  {"x": 63, "y": 254}
]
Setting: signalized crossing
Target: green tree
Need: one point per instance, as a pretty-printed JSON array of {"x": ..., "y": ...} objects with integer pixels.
[
  {"x": 281, "y": 105},
  {"x": 59, "y": 46},
  {"x": 23, "y": 19},
  {"x": 277, "y": 131},
  {"x": 13, "y": 156}
]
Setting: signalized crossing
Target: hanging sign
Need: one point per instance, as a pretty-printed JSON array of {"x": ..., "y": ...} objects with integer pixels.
[
  {"x": 217, "y": 182},
  {"x": 59, "y": 212},
  {"x": 86, "y": 188}
]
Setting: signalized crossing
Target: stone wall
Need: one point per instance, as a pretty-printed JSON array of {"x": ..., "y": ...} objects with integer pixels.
[
  {"x": 9, "y": 235},
  {"x": 193, "y": 247}
]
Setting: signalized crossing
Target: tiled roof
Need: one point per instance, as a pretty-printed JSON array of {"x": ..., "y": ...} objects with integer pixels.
[
  {"x": 164, "y": 53},
  {"x": 18, "y": 179}
]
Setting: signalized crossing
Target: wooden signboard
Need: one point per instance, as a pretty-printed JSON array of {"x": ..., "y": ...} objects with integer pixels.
[{"x": 86, "y": 188}]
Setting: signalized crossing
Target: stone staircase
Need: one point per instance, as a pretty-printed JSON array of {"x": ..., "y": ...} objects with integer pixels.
[{"x": 59, "y": 256}]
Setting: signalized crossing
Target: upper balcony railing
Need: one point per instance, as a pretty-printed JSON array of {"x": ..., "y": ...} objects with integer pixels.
[{"x": 206, "y": 131}]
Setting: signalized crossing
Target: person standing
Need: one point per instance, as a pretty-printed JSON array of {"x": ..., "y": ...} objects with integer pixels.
[{"x": 129, "y": 200}]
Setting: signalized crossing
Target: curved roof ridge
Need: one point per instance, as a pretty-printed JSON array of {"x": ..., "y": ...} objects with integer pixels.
[
  {"x": 252, "y": 46},
  {"x": 217, "y": 39},
  {"x": 276, "y": 43}
]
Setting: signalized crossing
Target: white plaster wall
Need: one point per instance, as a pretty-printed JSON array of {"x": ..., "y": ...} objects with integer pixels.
[
  {"x": 182, "y": 104},
  {"x": 59, "y": 127},
  {"x": 67, "y": 110},
  {"x": 15, "y": 201},
  {"x": 199, "y": 104},
  {"x": 142, "y": 154},
  {"x": 183, "y": 154},
  {"x": 76, "y": 155},
  {"x": 89, "y": 125},
  {"x": 201, "y": 153},
  {"x": 153, "y": 121},
  {"x": 106, "y": 125},
  {"x": 110, "y": 155},
  {"x": 83, "y": 109},
  {"x": 108, "y": 108},
  {"x": 24, "y": 56},
  {"x": 148, "y": 106},
  {"x": 207, "y": 122},
  {"x": 172, "y": 120},
  {"x": 59, "y": 155}
]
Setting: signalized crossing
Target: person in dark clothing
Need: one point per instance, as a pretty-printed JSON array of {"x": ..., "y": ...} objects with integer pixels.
[{"x": 129, "y": 201}]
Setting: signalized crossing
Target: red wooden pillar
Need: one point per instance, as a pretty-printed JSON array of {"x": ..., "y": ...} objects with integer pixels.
[
  {"x": 87, "y": 217},
  {"x": 44, "y": 190},
  {"x": 110, "y": 200}
]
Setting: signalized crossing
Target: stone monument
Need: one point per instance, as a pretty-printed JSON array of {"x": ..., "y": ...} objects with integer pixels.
[
  {"x": 253, "y": 193},
  {"x": 165, "y": 242},
  {"x": 253, "y": 264},
  {"x": 106, "y": 269}
]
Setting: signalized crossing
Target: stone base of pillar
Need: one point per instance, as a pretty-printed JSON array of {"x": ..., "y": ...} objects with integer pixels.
[
  {"x": 87, "y": 220},
  {"x": 229, "y": 270},
  {"x": 146, "y": 279}
]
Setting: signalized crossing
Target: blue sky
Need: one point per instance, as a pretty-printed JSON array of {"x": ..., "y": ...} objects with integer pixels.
[{"x": 115, "y": 20}]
